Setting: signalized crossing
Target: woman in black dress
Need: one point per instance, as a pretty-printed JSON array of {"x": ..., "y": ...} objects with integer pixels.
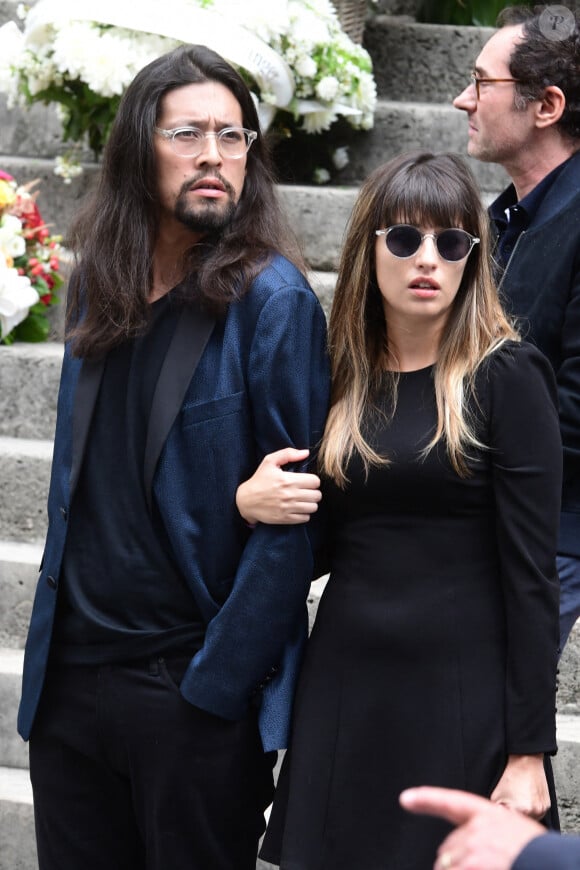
[{"x": 433, "y": 655}]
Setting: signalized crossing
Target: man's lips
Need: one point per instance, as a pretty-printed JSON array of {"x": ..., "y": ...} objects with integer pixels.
[{"x": 210, "y": 187}]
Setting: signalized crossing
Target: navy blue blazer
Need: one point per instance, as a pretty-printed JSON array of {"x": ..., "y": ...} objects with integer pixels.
[
  {"x": 550, "y": 852},
  {"x": 541, "y": 287},
  {"x": 261, "y": 384}
]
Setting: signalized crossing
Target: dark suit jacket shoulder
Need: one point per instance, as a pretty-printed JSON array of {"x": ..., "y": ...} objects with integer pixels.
[{"x": 550, "y": 852}]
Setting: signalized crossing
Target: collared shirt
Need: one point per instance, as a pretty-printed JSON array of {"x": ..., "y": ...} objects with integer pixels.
[{"x": 512, "y": 217}]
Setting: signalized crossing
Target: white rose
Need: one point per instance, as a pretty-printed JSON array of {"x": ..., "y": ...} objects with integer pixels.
[
  {"x": 12, "y": 243},
  {"x": 17, "y": 295}
]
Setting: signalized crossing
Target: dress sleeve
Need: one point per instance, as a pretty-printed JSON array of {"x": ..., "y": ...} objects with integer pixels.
[{"x": 526, "y": 457}]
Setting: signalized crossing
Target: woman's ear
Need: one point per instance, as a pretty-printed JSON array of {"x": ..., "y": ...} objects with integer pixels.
[{"x": 550, "y": 107}]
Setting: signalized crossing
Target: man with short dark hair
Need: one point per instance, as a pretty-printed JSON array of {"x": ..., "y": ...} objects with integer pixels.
[
  {"x": 166, "y": 634},
  {"x": 523, "y": 107}
]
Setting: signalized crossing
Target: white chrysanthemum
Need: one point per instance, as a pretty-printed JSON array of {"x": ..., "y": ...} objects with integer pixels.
[
  {"x": 41, "y": 74},
  {"x": 12, "y": 242},
  {"x": 144, "y": 47},
  {"x": 106, "y": 67},
  {"x": 73, "y": 43},
  {"x": 17, "y": 295},
  {"x": 308, "y": 29},
  {"x": 327, "y": 88},
  {"x": 306, "y": 66},
  {"x": 367, "y": 93},
  {"x": 317, "y": 122}
]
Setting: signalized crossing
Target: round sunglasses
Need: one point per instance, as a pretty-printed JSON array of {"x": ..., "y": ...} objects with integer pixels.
[{"x": 404, "y": 240}]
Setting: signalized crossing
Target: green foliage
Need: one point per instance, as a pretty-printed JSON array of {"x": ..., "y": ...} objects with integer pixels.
[
  {"x": 84, "y": 111},
  {"x": 481, "y": 13},
  {"x": 35, "y": 328}
]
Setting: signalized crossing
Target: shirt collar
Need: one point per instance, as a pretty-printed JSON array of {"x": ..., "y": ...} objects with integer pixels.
[{"x": 506, "y": 207}]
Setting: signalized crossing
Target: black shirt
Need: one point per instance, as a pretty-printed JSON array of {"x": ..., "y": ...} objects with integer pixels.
[{"x": 122, "y": 595}]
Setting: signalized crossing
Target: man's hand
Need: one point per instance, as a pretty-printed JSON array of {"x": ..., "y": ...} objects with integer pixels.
[{"x": 488, "y": 836}]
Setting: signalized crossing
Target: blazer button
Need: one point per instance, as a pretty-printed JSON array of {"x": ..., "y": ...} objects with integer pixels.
[
  {"x": 64, "y": 513},
  {"x": 51, "y": 581}
]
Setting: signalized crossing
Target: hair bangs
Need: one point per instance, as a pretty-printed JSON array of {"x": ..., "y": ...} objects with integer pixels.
[{"x": 424, "y": 197}]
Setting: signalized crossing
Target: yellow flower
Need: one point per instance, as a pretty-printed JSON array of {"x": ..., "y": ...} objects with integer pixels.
[{"x": 7, "y": 194}]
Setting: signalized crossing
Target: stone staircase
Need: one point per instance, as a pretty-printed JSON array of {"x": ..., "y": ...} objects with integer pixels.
[{"x": 419, "y": 68}]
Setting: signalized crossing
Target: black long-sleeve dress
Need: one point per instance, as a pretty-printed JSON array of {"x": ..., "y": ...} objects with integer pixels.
[{"x": 434, "y": 651}]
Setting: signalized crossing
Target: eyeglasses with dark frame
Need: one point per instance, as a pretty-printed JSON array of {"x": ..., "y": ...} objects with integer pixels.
[
  {"x": 479, "y": 80},
  {"x": 232, "y": 142},
  {"x": 404, "y": 240}
]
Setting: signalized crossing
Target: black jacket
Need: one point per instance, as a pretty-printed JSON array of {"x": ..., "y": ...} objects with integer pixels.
[{"x": 541, "y": 287}]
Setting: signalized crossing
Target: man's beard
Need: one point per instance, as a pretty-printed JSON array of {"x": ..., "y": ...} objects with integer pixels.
[{"x": 209, "y": 215}]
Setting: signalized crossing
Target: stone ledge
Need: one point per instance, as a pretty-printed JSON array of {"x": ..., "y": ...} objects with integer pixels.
[
  {"x": 19, "y": 565},
  {"x": 417, "y": 126},
  {"x": 24, "y": 479},
  {"x": 29, "y": 376},
  {"x": 429, "y": 62}
]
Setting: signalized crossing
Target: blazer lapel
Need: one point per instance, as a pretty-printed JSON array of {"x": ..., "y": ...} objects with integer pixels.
[
  {"x": 86, "y": 393},
  {"x": 191, "y": 335}
]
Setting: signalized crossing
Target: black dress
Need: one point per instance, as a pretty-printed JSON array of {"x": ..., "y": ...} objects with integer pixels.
[{"x": 433, "y": 655}]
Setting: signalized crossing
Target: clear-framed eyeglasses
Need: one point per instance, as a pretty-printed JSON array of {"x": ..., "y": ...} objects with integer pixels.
[
  {"x": 232, "y": 142},
  {"x": 477, "y": 81}
]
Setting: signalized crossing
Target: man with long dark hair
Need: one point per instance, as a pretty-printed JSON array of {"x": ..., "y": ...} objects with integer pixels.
[
  {"x": 523, "y": 107},
  {"x": 166, "y": 633}
]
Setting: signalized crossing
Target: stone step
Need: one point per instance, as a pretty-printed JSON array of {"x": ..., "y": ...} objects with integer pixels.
[
  {"x": 29, "y": 376},
  {"x": 24, "y": 479},
  {"x": 19, "y": 564},
  {"x": 17, "y": 849},
  {"x": 422, "y": 126},
  {"x": 13, "y": 750},
  {"x": 427, "y": 62}
]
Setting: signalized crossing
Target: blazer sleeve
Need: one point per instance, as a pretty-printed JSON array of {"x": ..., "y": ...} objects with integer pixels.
[
  {"x": 288, "y": 386},
  {"x": 551, "y": 851},
  {"x": 526, "y": 457}
]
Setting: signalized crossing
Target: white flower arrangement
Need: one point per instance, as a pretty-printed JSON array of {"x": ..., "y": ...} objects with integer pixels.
[
  {"x": 17, "y": 295},
  {"x": 29, "y": 264},
  {"x": 81, "y": 54}
]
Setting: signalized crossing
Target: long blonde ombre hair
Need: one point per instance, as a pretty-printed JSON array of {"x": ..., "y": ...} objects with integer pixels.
[{"x": 429, "y": 190}]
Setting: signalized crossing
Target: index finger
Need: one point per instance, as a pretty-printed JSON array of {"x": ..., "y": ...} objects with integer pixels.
[{"x": 451, "y": 804}]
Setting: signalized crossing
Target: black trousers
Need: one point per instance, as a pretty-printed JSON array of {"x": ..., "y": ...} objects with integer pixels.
[{"x": 127, "y": 775}]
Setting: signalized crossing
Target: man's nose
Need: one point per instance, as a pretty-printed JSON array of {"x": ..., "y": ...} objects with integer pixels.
[
  {"x": 467, "y": 99},
  {"x": 210, "y": 152}
]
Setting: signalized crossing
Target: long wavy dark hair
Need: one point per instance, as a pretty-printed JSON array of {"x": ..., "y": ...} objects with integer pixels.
[{"x": 114, "y": 233}]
